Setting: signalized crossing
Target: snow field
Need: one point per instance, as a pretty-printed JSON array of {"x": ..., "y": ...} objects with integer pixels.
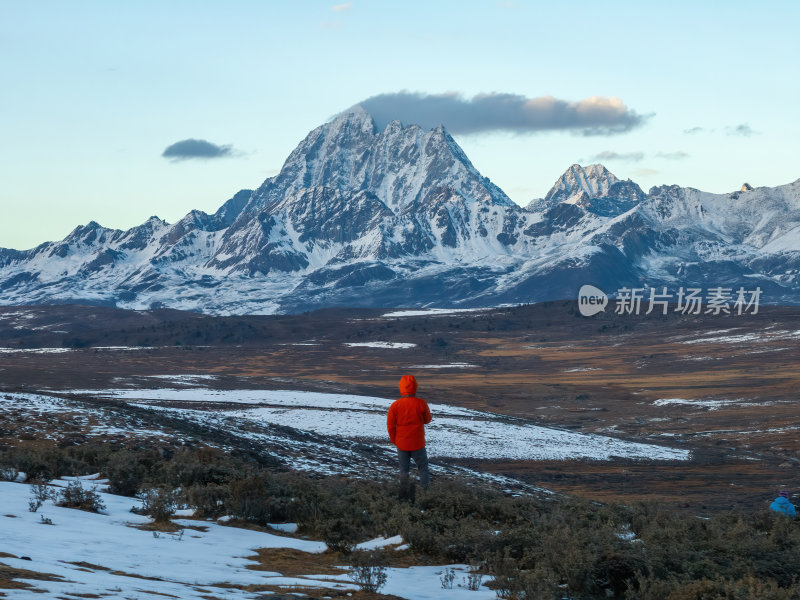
[
  {"x": 447, "y": 366},
  {"x": 116, "y": 556},
  {"x": 93, "y": 422},
  {"x": 706, "y": 403},
  {"x": 430, "y": 312},
  {"x": 385, "y": 345},
  {"x": 454, "y": 433}
]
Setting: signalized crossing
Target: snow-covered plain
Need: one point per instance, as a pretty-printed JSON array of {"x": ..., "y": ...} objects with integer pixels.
[
  {"x": 709, "y": 403},
  {"x": 38, "y": 409},
  {"x": 386, "y": 345},
  {"x": 34, "y": 350},
  {"x": 444, "y": 366},
  {"x": 106, "y": 555},
  {"x": 744, "y": 338},
  {"x": 430, "y": 312},
  {"x": 454, "y": 433}
]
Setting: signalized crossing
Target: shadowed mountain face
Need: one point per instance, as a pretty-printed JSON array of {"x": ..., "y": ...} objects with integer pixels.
[{"x": 401, "y": 217}]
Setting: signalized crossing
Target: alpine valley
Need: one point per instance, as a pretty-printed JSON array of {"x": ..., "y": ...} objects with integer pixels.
[{"x": 399, "y": 216}]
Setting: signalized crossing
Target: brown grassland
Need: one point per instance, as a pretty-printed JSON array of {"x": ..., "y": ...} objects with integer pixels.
[{"x": 723, "y": 386}]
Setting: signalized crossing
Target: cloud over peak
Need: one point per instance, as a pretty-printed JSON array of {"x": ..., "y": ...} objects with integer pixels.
[
  {"x": 677, "y": 155},
  {"x": 196, "y": 149},
  {"x": 621, "y": 156},
  {"x": 596, "y": 115}
]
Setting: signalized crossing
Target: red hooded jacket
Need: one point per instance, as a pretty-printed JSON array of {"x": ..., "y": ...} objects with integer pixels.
[{"x": 407, "y": 417}]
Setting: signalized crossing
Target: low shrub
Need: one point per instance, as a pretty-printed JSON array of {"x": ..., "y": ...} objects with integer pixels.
[
  {"x": 209, "y": 501},
  {"x": 127, "y": 471},
  {"x": 369, "y": 570},
  {"x": 8, "y": 473},
  {"x": 40, "y": 493},
  {"x": 160, "y": 503},
  {"x": 474, "y": 579},
  {"x": 261, "y": 499},
  {"x": 76, "y": 496},
  {"x": 202, "y": 466},
  {"x": 447, "y": 578}
]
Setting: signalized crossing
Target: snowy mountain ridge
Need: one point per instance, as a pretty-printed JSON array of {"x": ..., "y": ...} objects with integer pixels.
[{"x": 400, "y": 217}]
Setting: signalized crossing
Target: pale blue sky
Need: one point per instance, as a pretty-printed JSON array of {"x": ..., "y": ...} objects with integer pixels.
[{"x": 94, "y": 91}]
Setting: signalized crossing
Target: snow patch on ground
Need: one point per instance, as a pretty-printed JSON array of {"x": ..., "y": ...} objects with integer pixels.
[
  {"x": 186, "y": 379},
  {"x": 284, "y": 527},
  {"x": 431, "y": 312},
  {"x": 92, "y": 422},
  {"x": 387, "y": 345},
  {"x": 96, "y": 555},
  {"x": 760, "y": 338},
  {"x": 697, "y": 403},
  {"x": 34, "y": 350},
  {"x": 122, "y": 348},
  {"x": 448, "y": 366},
  {"x": 381, "y": 542},
  {"x": 112, "y": 542}
]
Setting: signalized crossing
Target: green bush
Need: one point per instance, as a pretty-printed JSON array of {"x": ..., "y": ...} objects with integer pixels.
[
  {"x": 8, "y": 473},
  {"x": 261, "y": 499},
  {"x": 127, "y": 471},
  {"x": 160, "y": 503},
  {"x": 209, "y": 501},
  {"x": 202, "y": 466},
  {"x": 76, "y": 496},
  {"x": 369, "y": 570}
]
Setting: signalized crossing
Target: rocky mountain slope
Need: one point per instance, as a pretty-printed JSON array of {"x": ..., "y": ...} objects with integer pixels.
[{"x": 401, "y": 217}]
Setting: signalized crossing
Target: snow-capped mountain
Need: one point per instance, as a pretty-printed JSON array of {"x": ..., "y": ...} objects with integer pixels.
[
  {"x": 593, "y": 188},
  {"x": 401, "y": 217}
]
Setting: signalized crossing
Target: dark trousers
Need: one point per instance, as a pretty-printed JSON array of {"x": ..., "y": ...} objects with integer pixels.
[{"x": 420, "y": 459}]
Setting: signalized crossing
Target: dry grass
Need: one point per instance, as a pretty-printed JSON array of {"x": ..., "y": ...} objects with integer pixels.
[
  {"x": 9, "y": 575},
  {"x": 287, "y": 592},
  {"x": 294, "y": 563},
  {"x": 135, "y": 575},
  {"x": 168, "y": 527},
  {"x": 698, "y": 487},
  {"x": 159, "y": 594},
  {"x": 87, "y": 566}
]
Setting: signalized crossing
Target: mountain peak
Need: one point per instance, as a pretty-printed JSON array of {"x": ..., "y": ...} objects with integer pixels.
[
  {"x": 355, "y": 118},
  {"x": 594, "y": 189},
  {"x": 577, "y": 181},
  {"x": 401, "y": 165}
]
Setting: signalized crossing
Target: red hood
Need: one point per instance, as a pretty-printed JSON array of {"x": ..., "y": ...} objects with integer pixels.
[{"x": 408, "y": 385}]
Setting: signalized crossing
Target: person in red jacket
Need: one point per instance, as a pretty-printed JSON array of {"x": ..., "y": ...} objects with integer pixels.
[{"x": 406, "y": 422}]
